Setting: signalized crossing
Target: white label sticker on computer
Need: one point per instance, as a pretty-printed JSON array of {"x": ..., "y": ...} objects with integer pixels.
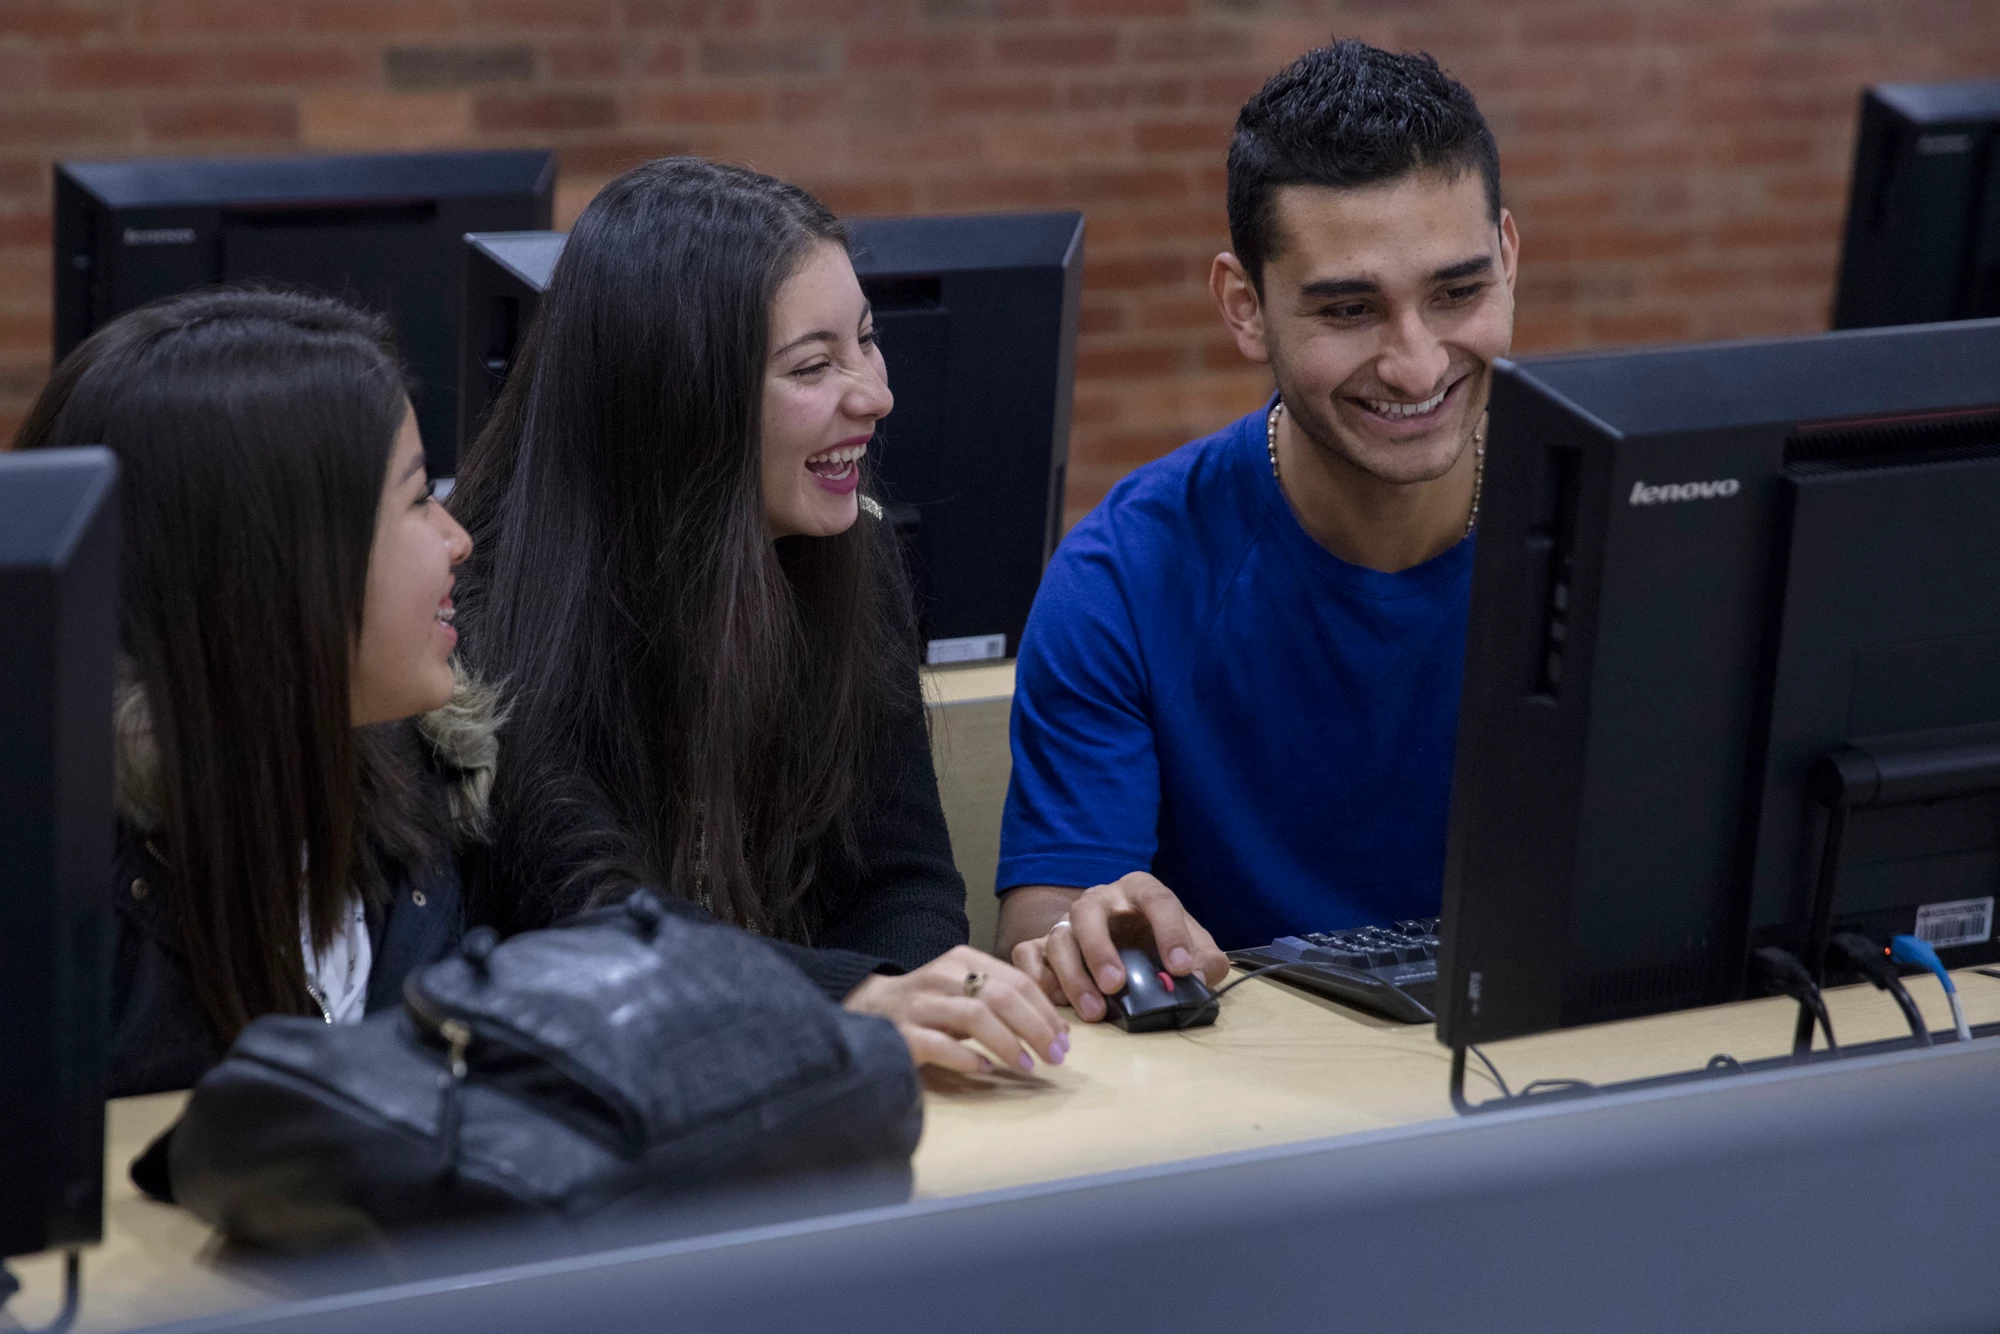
[
  {"x": 970, "y": 648},
  {"x": 1961, "y": 922}
]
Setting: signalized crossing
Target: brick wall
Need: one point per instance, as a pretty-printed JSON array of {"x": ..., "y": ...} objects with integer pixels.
[{"x": 1678, "y": 166}]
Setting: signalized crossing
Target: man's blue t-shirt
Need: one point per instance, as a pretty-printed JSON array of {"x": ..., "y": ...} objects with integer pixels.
[{"x": 1205, "y": 692}]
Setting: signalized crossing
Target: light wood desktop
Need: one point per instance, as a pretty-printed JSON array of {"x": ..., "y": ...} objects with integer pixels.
[{"x": 1277, "y": 1067}]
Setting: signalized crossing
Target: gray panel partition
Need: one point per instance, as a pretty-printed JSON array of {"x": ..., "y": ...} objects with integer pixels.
[{"x": 1861, "y": 1194}]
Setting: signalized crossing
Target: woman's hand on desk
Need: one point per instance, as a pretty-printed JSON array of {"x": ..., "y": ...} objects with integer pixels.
[
  {"x": 939, "y": 1007},
  {"x": 1076, "y": 963}
]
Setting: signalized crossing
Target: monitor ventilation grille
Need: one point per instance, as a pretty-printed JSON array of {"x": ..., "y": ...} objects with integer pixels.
[
  {"x": 1894, "y": 442},
  {"x": 1644, "y": 988}
]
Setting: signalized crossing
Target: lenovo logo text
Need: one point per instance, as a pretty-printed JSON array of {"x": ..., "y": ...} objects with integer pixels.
[{"x": 1673, "y": 491}]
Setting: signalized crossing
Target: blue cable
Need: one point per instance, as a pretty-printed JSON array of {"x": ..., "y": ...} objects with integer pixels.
[{"x": 1910, "y": 950}]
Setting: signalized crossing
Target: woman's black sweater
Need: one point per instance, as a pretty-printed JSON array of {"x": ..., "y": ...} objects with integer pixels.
[{"x": 895, "y": 908}]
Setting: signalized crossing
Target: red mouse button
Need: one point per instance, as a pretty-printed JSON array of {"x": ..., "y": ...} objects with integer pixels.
[{"x": 1167, "y": 981}]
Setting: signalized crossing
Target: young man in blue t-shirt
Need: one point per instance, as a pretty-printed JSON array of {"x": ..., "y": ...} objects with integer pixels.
[{"x": 1236, "y": 697}]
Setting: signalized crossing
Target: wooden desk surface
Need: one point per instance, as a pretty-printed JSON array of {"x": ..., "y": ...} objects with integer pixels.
[{"x": 1277, "y": 1067}]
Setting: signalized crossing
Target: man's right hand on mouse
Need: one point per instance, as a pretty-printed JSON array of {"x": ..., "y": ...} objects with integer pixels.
[{"x": 1076, "y": 962}]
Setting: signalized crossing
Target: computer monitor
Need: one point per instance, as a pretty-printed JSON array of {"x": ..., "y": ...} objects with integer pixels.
[
  {"x": 59, "y": 602},
  {"x": 977, "y": 318},
  {"x": 381, "y": 229},
  {"x": 1923, "y": 217},
  {"x": 1701, "y": 570}
]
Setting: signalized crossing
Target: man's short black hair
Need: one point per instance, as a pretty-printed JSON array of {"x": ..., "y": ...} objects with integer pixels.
[{"x": 1349, "y": 115}]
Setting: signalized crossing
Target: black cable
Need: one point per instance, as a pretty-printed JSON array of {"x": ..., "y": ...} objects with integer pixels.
[
  {"x": 1357, "y": 974},
  {"x": 72, "y": 1293},
  {"x": 1226, "y": 988},
  {"x": 1785, "y": 973},
  {"x": 1872, "y": 962},
  {"x": 1491, "y": 1069}
]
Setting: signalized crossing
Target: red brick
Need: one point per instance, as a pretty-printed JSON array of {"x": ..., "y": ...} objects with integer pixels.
[
  {"x": 225, "y": 18},
  {"x": 988, "y": 11},
  {"x": 24, "y": 229},
  {"x": 126, "y": 67},
  {"x": 686, "y": 15},
  {"x": 59, "y": 123},
  {"x": 60, "y": 20},
  {"x": 231, "y": 122},
  {"x": 942, "y": 51},
  {"x": 734, "y": 106},
  {"x": 991, "y": 190},
  {"x": 1146, "y": 94},
  {"x": 1046, "y": 50},
  {"x": 958, "y": 99},
  {"x": 586, "y": 60},
  {"x": 1096, "y": 185},
  {"x": 280, "y": 65},
  {"x": 502, "y": 113},
  {"x": 1192, "y": 46},
  {"x": 1618, "y": 330},
  {"x": 1101, "y": 274},
  {"x": 606, "y": 158},
  {"x": 1600, "y": 24},
  {"x": 656, "y": 59},
  {"x": 1121, "y": 363},
  {"x": 1205, "y": 136},
  {"x": 544, "y": 15},
  {"x": 1782, "y": 230},
  {"x": 863, "y": 198},
  {"x": 799, "y": 101},
  {"x": 355, "y": 18},
  {"x": 1127, "y": 9},
  {"x": 817, "y": 53}
]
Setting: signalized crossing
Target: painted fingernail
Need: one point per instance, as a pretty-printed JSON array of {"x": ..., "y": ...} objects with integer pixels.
[
  {"x": 1027, "y": 1062},
  {"x": 1062, "y": 1041},
  {"x": 985, "y": 1066},
  {"x": 1108, "y": 977},
  {"x": 1090, "y": 1006},
  {"x": 1056, "y": 1052},
  {"x": 1180, "y": 961}
]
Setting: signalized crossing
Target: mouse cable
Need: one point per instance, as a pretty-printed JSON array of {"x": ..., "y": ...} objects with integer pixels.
[
  {"x": 1872, "y": 962},
  {"x": 1784, "y": 972},
  {"x": 72, "y": 1293},
  {"x": 1908, "y": 949},
  {"x": 1249, "y": 973},
  {"x": 1491, "y": 1069}
]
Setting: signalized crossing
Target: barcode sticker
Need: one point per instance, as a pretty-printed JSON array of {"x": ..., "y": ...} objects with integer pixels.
[
  {"x": 1962, "y": 922},
  {"x": 967, "y": 648}
]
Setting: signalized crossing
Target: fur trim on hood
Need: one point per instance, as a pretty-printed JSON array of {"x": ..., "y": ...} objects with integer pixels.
[{"x": 464, "y": 735}]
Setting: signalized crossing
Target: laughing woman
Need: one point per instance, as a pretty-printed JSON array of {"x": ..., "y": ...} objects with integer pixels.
[
  {"x": 701, "y": 621},
  {"x": 285, "y": 835}
]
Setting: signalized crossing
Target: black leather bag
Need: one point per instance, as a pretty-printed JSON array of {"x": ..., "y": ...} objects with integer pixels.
[{"x": 628, "y": 1058}]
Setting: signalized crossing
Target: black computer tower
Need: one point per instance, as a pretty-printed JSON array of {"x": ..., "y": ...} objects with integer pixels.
[
  {"x": 381, "y": 229},
  {"x": 1698, "y": 570},
  {"x": 59, "y": 602},
  {"x": 1923, "y": 215},
  {"x": 977, "y": 318}
]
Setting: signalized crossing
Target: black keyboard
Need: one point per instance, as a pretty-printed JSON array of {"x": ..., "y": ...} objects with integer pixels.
[{"x": 1388, "y": 970}]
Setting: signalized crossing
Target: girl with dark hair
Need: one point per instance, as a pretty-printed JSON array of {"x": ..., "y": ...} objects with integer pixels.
[
  {"x": 708, "y": 648},
  {"x": 285, "y": 838}
]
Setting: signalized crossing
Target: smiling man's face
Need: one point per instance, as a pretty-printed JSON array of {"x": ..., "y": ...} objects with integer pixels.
[{"x": 1383, "y": 310}]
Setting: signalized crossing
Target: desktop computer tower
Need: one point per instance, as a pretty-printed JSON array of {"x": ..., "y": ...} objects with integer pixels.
[
  {"x": 1700, "y": 569},
  {"x": 1923, "y": 215},
  {"x": 59, "y": 602},
  {"x": 381, "y": 229},
  {"x": 977, "y": 319}
]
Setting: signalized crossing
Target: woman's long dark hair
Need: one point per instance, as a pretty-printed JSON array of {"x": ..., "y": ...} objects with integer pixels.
[
  {"x": 253, "y": 430},
  {"x": 694, "y": 706}
]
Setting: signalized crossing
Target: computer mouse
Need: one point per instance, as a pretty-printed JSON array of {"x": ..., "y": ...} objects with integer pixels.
[{"x": 1153, "y": 999}]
